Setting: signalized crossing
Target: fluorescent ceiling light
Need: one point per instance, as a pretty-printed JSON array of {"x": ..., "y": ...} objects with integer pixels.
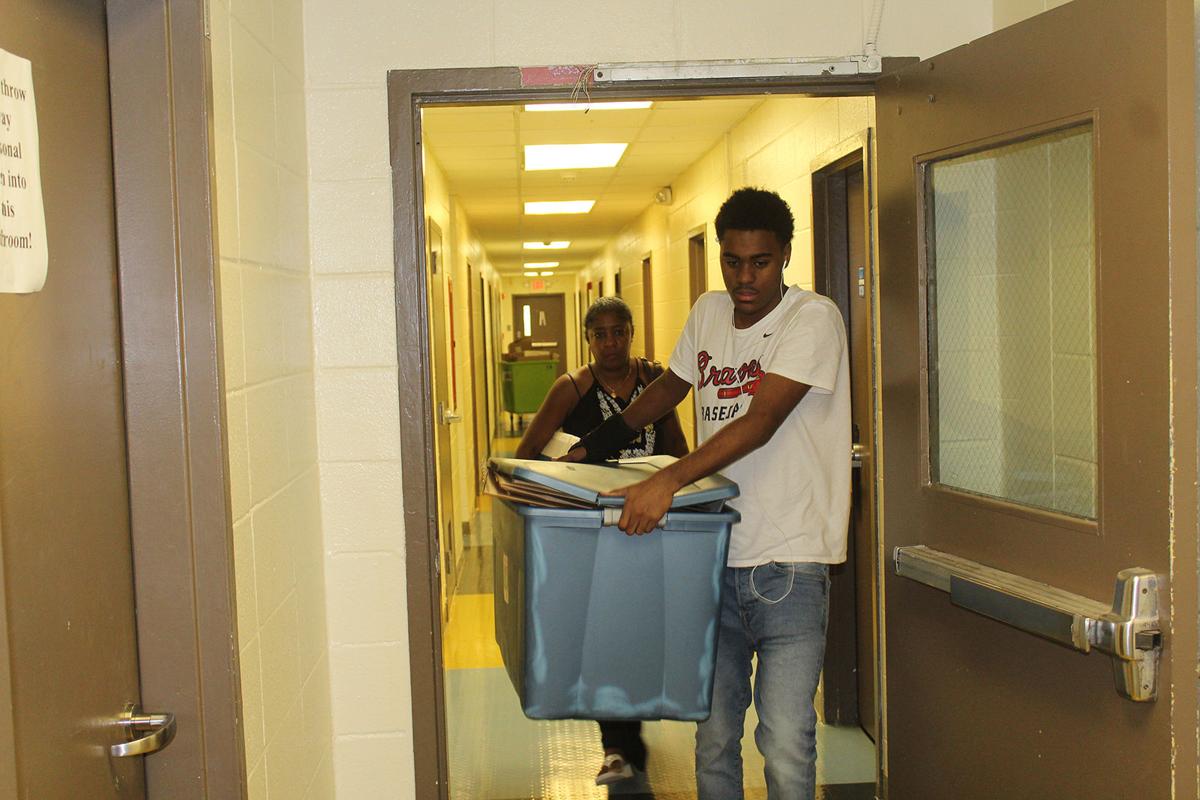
[
  {"x": 547, "y": 245},
  {"x": 547, "y": 274},
  {"x": 573, "y": 156},
  {"x": 559, "y": 206},
  {"x": 540, "y": 264},
  {"x": 615, "y": 106},
  {"x": 531, "y": 274}
]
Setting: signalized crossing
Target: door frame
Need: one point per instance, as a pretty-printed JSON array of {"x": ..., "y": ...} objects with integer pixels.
[
  {"x": 697, "y": 270},
  {"x": 410, "y": 91},
  {"x": 647, "y": 262},
  {"x": 160, "y": 77},
  {"x": 697, "y": 238},
  {"x": 830, "y": 257}
]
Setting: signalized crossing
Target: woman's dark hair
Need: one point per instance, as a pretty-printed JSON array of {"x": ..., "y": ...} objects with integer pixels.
[
  {"x": 753, "y": 209},
  {"x": 607, "y": 305}
]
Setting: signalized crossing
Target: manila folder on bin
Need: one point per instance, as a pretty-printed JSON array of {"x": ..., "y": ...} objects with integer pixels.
[{"x": 563, "y": 484}]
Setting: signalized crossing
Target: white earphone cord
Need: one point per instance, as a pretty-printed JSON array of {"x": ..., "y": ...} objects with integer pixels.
[{"x": 786, "y": 539}]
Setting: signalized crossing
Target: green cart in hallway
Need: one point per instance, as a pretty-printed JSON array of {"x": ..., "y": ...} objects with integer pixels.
[{"x": 525, "y": 383}]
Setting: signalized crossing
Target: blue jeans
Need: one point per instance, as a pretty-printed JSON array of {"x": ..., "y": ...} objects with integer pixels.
[{"x": 777, "y": 611}]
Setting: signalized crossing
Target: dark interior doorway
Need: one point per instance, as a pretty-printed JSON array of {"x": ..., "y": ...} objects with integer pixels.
[
  {"x": 648, "y": 307},
  {"x": 697, "y": 267},
  {"x": 842, "y": 266}
]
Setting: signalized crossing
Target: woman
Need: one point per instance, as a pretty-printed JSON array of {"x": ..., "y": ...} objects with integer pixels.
[{"x": 578, "y": 402}]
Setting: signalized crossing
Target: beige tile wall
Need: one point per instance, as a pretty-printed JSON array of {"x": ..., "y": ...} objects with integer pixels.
[
  {"x": 349, "y": 47},
  {"x": 359, "y": 440},
  {"x": 1008, "y": 12},
  {"x": 647, "y": 237},
  {"x": 358, "y": 427},
  {"x": 266, "y": 312}
]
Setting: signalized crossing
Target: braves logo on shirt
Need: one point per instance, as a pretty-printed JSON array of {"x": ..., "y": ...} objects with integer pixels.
[{"x": 733, "y": 381}]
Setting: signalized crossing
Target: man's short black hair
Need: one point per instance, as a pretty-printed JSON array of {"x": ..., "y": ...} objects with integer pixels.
[{"x": 754, "y": 209}]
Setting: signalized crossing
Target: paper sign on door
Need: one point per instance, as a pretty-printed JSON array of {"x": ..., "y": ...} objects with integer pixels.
[{"x": 23, "y": 250}]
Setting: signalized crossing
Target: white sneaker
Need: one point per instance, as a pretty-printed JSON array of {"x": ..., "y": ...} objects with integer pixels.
[{"x": 615, "y": 768}]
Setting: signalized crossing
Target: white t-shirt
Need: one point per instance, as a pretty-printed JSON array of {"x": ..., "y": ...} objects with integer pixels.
[{"x": 795, "y": 489}]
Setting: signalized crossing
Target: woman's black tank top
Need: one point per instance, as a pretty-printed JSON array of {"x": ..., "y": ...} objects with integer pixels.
[{"x": 596, "y": 405}]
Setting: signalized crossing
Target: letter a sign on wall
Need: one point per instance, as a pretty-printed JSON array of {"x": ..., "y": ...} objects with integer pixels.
[{"x": 23, "y": 251}]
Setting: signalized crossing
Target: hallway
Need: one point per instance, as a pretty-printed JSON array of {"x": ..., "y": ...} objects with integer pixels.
[
  {"x": 658, "y": 257},
  {"x": 498, "y": 754}
]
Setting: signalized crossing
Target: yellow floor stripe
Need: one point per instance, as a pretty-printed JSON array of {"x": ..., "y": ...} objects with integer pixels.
[{"x": 470, "y": 638}]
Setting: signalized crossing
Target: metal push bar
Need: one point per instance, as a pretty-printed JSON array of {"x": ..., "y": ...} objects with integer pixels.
[{"x": 1129, "y": 631}]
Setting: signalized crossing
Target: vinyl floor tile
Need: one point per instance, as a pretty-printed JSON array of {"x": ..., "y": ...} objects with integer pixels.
[{"x": 496, "y": 753}]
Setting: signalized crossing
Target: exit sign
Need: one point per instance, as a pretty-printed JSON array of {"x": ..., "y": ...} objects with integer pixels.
[{"x": 537, "y": 285}]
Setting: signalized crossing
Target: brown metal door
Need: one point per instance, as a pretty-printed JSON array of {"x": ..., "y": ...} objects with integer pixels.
[
  {"x": 697, "y": 268},
  {"x": 1037, "y": 297},
  {"x": 546, "y": 329},
  {"x": 70, "y": 640},
  {"x": 443, "y": 409}
]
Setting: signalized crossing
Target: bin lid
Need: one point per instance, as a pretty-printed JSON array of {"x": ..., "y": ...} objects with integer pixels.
[{"x": 588, "y": 482}]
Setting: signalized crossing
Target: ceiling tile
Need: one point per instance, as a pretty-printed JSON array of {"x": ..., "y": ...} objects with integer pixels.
[
  {"x": 479, "y": 149},
  {"x": 450, "y": 157},
  {"x": 562, "y": 136},
  {"x": 577, "y": 120}
]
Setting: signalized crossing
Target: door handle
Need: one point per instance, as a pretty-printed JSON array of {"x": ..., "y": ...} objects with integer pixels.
[
  {"x": 857, "y": 453},
  {"x": 1129, "y": 630},
  {"x": 446, "y": 416},
  {"x": 159, "y": 730}
]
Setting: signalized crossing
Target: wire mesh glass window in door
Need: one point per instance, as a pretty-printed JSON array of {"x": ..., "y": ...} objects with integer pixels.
[{"x": 1010, "y": 263}]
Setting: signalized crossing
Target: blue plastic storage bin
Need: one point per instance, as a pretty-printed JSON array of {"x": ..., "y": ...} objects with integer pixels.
[{"x": 594, "y": 624}]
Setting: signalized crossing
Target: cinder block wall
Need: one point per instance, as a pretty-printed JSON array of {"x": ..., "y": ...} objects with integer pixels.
[{"x": 266, "y": 315}]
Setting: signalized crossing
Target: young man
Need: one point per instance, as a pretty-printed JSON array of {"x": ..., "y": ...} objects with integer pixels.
[{"x": 769, "y": 366}]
